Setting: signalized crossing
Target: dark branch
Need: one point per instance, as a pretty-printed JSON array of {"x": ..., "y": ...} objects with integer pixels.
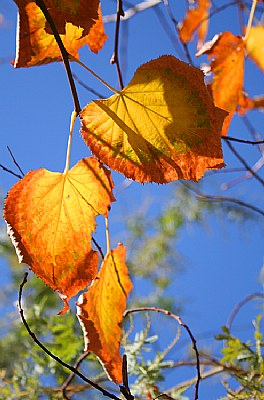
[
  {"x": 14, "y": 161},
  {"x": 98, "y": 247},
  {"x": 64, "y": 53},
  {"x": 10, "y": 171},
  {"x": 180, "y": 322},
  {"x": 49, "y": 353},
  {"x": 72, "y": 375},
  {"x": 115, "y": 58},
  {"x": 231, "y": 139},
  {"x": 241, "y": 159}
]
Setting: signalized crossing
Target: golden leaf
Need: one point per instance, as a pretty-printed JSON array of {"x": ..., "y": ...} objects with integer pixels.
[
  {"x": 100, "y": 312},
  {"x": 255, "y": 45},
  {"x": 51, "y": 217},
  {"x": 163, "y": 126}
]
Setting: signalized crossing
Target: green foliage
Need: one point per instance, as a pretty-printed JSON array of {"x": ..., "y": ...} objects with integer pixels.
[{"x": 245, "y": 361}]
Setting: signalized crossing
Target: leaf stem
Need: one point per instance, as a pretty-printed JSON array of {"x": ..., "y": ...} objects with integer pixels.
[
  {"x": 108, "y": 245},
  {"x": 72, "y": 58},
  {"x": 68, "y": 156},
  {"x": 250, "y": 19}
]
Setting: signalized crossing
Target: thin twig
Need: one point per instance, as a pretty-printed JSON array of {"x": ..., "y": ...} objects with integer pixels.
[
  {"x": 248, "y": 298},
  {"x": 49, "y": 353},
  {"x": 180, "y": 322},
  {"x": 10, "y": 171},
  {"x": 68, "y": 381},
  {"x": 14, "y": 161},
  {"x": 98, "y": 247},
  {"x": 220, "y": 199},
  {"x": 115, "y": 58},
  {"x": 231, "y": 139},
  {"x": 81, "y": 83},
  {"x": 250, "y": 20},
  {"x": 64, "y": 53},
  {"x": 241, "y": 159}
]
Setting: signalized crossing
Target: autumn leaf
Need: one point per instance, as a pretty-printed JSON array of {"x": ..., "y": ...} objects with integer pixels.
[
  {"x": 163, "y": 126},
  {"x": 36, "y": 43},
  {"x": 195, "y": 20},
  {"x": 255, "y": 45},
  {"x": 100, "y": 312},
  {"x": 227, "y": 54},
  {"x": 51, "y": 217}
]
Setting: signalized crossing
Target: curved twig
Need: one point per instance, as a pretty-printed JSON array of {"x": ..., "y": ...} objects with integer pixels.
[
  {"x": 247, "y": 299},
  {"x": 180, "y": 322},
  {"x": 49, "y": 353}
]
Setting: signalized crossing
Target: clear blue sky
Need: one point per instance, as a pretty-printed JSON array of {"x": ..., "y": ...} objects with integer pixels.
[{"x": 222, "y": 259}]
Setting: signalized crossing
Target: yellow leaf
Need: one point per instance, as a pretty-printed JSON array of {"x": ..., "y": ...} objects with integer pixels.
[
  {"x": 163, "y": 126},
  {"x": 100, "y": 312},
  {"x": 227, "y": 54},
  {"x": 51, "y": 217},
  {"x": 36, "y": 43},
  {"x": 255, "y": 45}
]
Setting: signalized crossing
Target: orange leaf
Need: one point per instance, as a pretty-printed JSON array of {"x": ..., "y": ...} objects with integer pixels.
[
  {"x": 196, "y": 19},
  {"x": 36, "y": 43},
  {"x": 100, "y": 312},
  {"x": 50, "y": 219},
  {"x": 227, "y": 54},
  {"x": 97, "y": 37},
  {"x": 162, "y": 126},
  {"x": 255, "y": 45}
]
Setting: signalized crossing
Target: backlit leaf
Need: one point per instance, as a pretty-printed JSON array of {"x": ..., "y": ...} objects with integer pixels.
[
  {"x": 36, "y": 43},
  {"x": 196, "y": 20},
  {"x": 51, "y": 217},
  {"x": 255, "y": 45},
  {"x": 163, "y": 126},
  {"x": 100, "y": 312},
  {"x": 227, "y": 54}
]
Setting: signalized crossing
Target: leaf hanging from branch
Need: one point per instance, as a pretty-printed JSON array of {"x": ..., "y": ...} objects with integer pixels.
[
  {"x": 163, "y": 126},
  {"x": 100, "y": 312},
  {"x": 195, "y": 20},
  {"x": 36, "y": 43},
  {"x": 51, "y": 217},
  {"x": 227, "y": 54}
]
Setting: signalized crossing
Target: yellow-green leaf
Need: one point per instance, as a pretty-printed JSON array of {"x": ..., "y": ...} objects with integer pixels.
[{"x": 163, "y": 126}]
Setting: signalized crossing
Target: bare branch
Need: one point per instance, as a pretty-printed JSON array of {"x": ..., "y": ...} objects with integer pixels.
[
  {"x": 49, "y": 353},
  {"x": 115, "y": 58},
  {"x": 247, "y": 299},
  {"x": 180, "y": 322}
]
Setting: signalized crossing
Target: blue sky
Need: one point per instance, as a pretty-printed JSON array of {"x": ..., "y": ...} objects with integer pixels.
[{"x": 222, "y": 259}]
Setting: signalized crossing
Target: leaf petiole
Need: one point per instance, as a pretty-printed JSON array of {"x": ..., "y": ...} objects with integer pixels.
[
  {"x": 250, "y": 19},
  {"x": 72, "y": 58},
  {"x": 68, "y": 155}
]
